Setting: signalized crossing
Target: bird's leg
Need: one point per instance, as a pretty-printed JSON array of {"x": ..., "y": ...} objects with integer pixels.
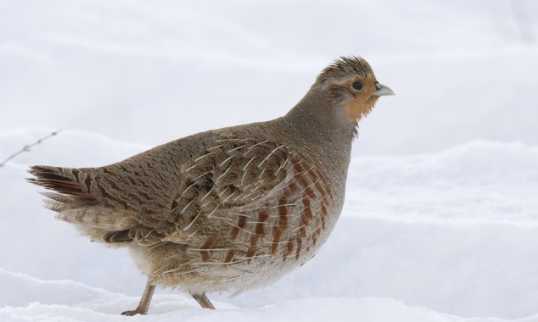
[
  {"x": 203, "y": 301},
  {"x": 143, "y": 305}
]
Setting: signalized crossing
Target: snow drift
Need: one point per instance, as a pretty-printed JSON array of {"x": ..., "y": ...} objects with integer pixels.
[
  {"x": 453, "y": 231},
  {"x": 74, "y": 302},
  {"x": 461, "y": 69}
]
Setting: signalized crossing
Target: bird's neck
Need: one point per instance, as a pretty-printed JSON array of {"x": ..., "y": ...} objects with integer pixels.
[{"x": 313, "y": 123}]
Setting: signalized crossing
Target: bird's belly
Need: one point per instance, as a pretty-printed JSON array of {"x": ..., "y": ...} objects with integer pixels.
[{"x": 253, "y": 257}]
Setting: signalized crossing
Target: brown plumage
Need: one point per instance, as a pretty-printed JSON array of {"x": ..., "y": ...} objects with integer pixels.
[{"x": 228, "y": 209}]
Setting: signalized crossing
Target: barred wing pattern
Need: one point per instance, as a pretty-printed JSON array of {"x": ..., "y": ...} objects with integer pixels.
[{"x": 246, "y": 199}]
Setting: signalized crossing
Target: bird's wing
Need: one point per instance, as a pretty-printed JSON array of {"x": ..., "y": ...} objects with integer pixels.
[
  {"x": 234, "y": 176},
  {"x": 153, "y": 198}
]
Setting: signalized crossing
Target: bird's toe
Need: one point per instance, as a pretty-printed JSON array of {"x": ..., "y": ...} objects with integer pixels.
[{"x": 133, "y": 313}]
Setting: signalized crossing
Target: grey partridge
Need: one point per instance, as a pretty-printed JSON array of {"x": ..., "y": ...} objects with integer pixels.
[{"x": 227, "y": 209}]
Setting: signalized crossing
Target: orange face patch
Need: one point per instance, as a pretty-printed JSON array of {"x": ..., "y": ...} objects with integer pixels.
[
  {"x": 363, "y": 100},
  {"x": 359, "y": 106}
]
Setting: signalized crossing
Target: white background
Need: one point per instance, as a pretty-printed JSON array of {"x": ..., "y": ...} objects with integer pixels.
[{"x": 441, "y": 214}]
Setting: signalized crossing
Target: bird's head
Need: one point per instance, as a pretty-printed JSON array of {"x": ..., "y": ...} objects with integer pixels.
[
  {"x": 342, "y": 94},
  {"x": 351, "y": 87}
]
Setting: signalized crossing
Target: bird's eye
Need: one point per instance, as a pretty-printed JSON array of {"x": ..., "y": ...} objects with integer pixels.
[{"x": 357, "y": 85}]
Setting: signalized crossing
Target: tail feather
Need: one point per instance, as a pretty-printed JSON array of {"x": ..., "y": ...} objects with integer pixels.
[
  {"x": 61, "y": 180},
  {"x": 71, "y": 197}
]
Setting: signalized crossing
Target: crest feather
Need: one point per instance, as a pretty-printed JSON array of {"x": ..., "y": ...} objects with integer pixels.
[{"x": 344, "y": 66}]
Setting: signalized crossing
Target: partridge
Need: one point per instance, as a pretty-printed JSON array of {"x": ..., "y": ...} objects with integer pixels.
[{"x": 226, "y": 209}]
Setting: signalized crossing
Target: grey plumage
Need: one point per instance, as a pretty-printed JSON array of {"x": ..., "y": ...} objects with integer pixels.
[{"x": 228, "y": 209}]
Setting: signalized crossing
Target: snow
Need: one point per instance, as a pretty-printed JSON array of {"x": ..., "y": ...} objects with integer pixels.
[
  {"x": 433, "y": 236},
  {"x": 156, "y": 67},
  {"x": 441, "y": 217},
  {"x": 75, "y": 302}
]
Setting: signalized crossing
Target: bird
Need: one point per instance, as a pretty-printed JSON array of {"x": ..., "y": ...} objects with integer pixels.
[{"x": 230, "y": 209}]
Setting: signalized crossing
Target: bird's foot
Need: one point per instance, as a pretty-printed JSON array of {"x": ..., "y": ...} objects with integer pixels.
[{"x": 133, "y": 312}]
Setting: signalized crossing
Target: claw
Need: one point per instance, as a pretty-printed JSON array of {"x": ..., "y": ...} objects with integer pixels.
[{"x": 133, "y": 313}]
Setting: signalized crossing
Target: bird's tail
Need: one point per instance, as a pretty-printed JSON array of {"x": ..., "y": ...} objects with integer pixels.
[
  {"x": 67, "y": 190},
  {"x": 73, "y": 197}
]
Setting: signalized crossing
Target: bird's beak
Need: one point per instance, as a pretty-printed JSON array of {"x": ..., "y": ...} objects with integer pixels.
[{"x": 383, "y": 90}]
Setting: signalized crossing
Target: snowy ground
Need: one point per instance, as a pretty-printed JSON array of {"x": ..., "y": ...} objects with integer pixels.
[
  {"x": 452, "y": 232},
  {"x": 441, "y": 219},
  {"x": 83, "y": 303}
]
